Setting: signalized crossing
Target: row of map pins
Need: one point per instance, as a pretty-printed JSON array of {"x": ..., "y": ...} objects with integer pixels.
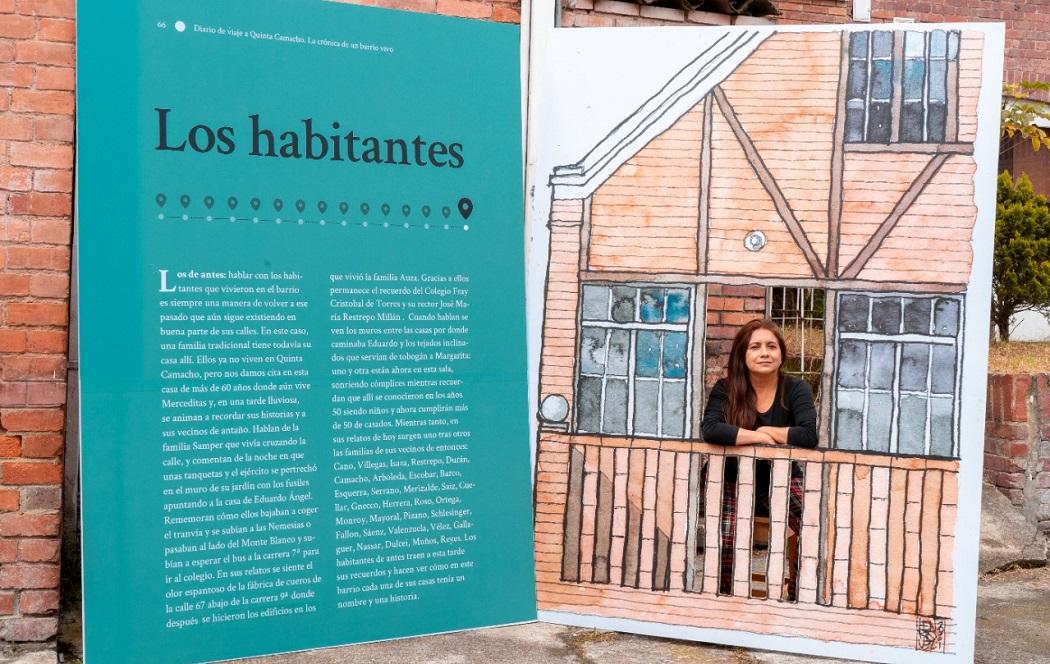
[{"x": 465, "y": 206}]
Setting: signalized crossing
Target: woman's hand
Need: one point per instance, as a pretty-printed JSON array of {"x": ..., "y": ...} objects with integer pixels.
[
  {"x": 779, "y": 435},
  {"x": 759, "y": 437}
]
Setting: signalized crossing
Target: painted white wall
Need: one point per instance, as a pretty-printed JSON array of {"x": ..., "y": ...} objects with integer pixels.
[{"x": 1029, "y": 326}]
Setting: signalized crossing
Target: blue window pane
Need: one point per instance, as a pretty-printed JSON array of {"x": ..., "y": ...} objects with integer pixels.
[
  {"x": 652, "y": 307},
  {"x": 623, "y": 304},
  {"x": 953, "y": 46},
  {"x": 854, "y": 125},
  {"x": 857, "y": 83},
  {"x": 853, "y": 357},
  {"x": 881, "y": 79},
  {"x": 943, "y": 379},
  {"x": 886, "y": 315},
  {"x": 595, "y": 303},
  {"x": 938, "y": 81},
  {"x": 614, "y": 418},
  {"x": 589, "y": 404},
  {"x": 938, "y": 44},
  {"x": 677, "y": 306},
  {"x": 911, "y": 425},
  {"x": 674, "y": 410},
  {"x": 858, "y": 45},
  {"x": 880, "y": 371},
  {"x": 853, "y": 313},
  {"x": 912, "y": 122},
  {"x": 915, "y": 367},
  {"x": 914, "y": 45},
  {"x": 879, "y": 122},
  {"x": 619, "y": 349},
  {"x": 646, "y": 407},
  {"x": 647, "y": 355},
  {"x": 674, "y": 355},
  {"x": 592, "y": 350},
  {"x": 914, "y": 75},
  {"x": 882, "y": 44},
  {"x": 946, "y": 318},
  {"x": 880, "y": 416},
  {"x": 917, "y": 316},
  {"x": 936, "y": 118},
  {"x": 942, "y": 426},
  {"x": 849, "y": 421}
]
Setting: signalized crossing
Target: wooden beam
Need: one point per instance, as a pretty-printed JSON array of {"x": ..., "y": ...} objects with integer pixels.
[
  {"x": 912, "y": 148},
  {"x": 685, "y": 278},
  {"x": 704, "y": 213},
  {"x": 769, "y": 183},
  {"x": 585, "y": 235},
  {"x": 902, "y": 206},
  {"x": 838, "y": 162}
]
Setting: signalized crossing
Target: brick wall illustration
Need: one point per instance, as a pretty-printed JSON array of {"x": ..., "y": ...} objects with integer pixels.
[{"x": 743, "y": 176}]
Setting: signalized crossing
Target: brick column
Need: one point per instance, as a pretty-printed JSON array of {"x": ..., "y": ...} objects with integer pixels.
[{"x": 36, "y": 184}]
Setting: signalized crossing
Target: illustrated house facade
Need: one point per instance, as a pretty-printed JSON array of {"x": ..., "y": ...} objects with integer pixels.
[{"x": 834, "y": 162}]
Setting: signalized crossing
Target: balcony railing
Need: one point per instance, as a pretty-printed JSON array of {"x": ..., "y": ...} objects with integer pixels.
[{"x": 833, "y": 531}]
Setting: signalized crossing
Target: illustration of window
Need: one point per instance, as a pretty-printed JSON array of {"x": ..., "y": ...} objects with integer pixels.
[
  {"x": 897, "y": 378},
  {"x": 902, "y": 87},
  {"x": 634, "y": 345},
  {"x": 800, "y": 314}
]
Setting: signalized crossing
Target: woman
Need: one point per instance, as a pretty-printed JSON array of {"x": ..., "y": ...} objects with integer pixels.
[{"x": 756, "y": 404}]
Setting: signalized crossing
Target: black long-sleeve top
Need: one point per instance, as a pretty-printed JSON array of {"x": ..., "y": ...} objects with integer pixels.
[{"x": 792, "y": 407}]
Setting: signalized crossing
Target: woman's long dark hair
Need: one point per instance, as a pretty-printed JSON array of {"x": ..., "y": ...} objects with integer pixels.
[{"x": 740, "y": 407}]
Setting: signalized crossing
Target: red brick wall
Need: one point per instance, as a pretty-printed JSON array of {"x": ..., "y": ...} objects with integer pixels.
[
  {"x": 36, "y": 184},
  {"x": 1027, "y": 23},
  {"x": 728, "y": 307},
  {"x": 502, "y": 11},
  {"x": 1017, "y": 442}
]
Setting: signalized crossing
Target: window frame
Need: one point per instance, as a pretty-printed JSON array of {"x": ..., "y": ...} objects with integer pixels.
[
  {"x": 899, "y": 339},
  {"x": 633, "y": 328},
  {"x": 898, "y": 59}
]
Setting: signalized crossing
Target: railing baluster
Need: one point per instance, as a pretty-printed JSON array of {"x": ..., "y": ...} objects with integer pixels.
[
  {"x": 604, "y": 513},
  {"x": 745, "y": 506},
  {"x": 590, "y": 504},
  {"x": 680, "y": 520},
  {"x": 878, "y": 538},
  {"x": 843, "y": 535},
  {"x": 645, "y": 565},
  {"x": 570, "y": 557},
  {"x": 809, "y": 538},
  {"x": 713, "y": 499},
  {"x": 619, "y": 522},
  {"x": 928, "y": 542},
  {"x": 664, "y": 520},
  {"x": 695, "y": 541},
  {"x": 895, "y": 534},
  {"x": 633, "y": 545},
  {"x": 778, "y": 511},
  {"x": 946, "y": 564},
  {"x": 912, "y": 524},
  {"x": 858, "y": 554}
]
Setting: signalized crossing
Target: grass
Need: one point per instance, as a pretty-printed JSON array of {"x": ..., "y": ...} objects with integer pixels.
[{"x": 1019, "y": 357}]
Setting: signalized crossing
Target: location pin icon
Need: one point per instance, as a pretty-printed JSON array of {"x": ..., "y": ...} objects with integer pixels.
[
  {"x": 425, "y": 210},
  {"x": 343, "y": 207},
  {"x": 278, "y": 204},
  {"x": 300, "y": 205},
  {"x": 322, "y": 206},
  {"x": 365, "y": 208},
  {"x": 405, "y": 210},
  {"x": 385, "y": 208},
  {"x": 255, "y": 203},
  {"x": 161, "y": 200},
  {"x": 232, "y": 202},
  {"x": 445, "y": 211},
  {"x": 185, "y": 200},
  {"x": 466, "y": 206},
  {"x": 209, "y": 201}
]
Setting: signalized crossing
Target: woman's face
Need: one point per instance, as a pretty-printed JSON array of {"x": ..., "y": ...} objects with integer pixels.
[{"x": 763, "y": 353}]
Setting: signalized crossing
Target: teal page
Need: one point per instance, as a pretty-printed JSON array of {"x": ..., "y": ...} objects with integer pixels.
[{"x": 302, "y": 341}]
